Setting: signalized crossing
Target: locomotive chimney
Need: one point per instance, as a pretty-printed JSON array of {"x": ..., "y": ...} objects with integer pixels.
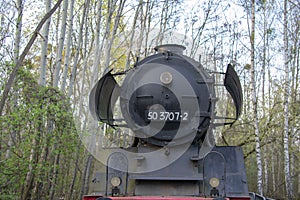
[{"x": 174, "y": 48}]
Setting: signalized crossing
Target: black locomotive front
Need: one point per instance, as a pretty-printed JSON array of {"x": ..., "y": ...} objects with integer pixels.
[
  {"x": 168, "y": 101},
  {"x": 168, "y": 97}
]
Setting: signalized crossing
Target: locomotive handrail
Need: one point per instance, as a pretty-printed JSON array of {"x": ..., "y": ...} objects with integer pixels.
[
  {"x": 221, "y": 117},
  {"x": 224, "y": 123}
]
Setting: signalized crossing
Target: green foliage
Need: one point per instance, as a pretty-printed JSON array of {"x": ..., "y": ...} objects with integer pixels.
[{"x": 41, "y": 114}]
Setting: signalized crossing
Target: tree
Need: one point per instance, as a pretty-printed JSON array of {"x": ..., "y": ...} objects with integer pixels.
[
  {"x": 19, "y": 62},
  {"x": 79, "y": 46},
  {"x": 58, "y": 60},
  {"x": 254, "y": 101},
  {"x": 44, "y": 45},
  {"x": 97, "y": 45},
  {"x": 68, "y": 46},
  {"x": 286, "y": 108},
  {"x": 17, "y": 41}
]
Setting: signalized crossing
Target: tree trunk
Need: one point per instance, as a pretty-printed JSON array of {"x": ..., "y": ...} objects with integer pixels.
[
  {"x": 70, "y": 192},
  {"x": 54, "y": 173},
  {"x": 138, "y": 9},
  {"x": 79, "y": 45},
  {"x": 58, "y": 60},
  {"x": 162, "y": 25},
  {"x": 97, "y": 46},
  {"x": 17, "y": 41},
  {"x": 18, "y": 31},
  {"x": 273, "y": 173},
  {"x": 86, "y": 175},
  {"x": 145, "y": 19},
  {"x": 111, "y": 9},
  {"x": 68, "y": 46},
  {"x": 288, "y": 184},
  {"x": 45, "y": 34},
  {"x": 31, "y": 167},
  {"x": 254, "y": 102},
  {"x": 264, "y": 59}
]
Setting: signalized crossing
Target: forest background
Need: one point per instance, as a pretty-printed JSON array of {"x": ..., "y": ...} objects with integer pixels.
[{"x": 52, "y": 50}]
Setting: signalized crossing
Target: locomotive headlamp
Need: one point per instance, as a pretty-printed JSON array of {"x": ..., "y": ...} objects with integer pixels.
[
  {"x": 214, "y": 182},
  {"x": 166, "y": 78},
  {"x": 115, "y": 181}
]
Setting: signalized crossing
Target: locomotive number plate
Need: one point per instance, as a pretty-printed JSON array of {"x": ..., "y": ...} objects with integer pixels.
[{"x": 166, "y": 116}]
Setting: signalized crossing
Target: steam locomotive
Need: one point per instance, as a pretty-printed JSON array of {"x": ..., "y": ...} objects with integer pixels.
[{"x": 168, "y": 101}]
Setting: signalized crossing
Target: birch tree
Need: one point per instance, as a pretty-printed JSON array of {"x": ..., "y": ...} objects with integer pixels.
[
  {"x": 112, "y": 6},
  {"x": 145, "y": 20},
  {"x": 137, "y": 12},
  {"x": 58, "y": 60},
  {"x": 293, "y": 102},
  {"x": 97, "y": 45},
  {"x": 286, "y": 106},
  {"x": 17, "y": 42},
  {"x": 265, "y": 63},
  {"x": 76, "y": 61},
  {"x": 44, "y": 46},
  {"x": 163, "y": 22},
  {"x": 254, "y": 101},
  {"x": 68, "y": 46},
  {"x": 78, "y": 47}
]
